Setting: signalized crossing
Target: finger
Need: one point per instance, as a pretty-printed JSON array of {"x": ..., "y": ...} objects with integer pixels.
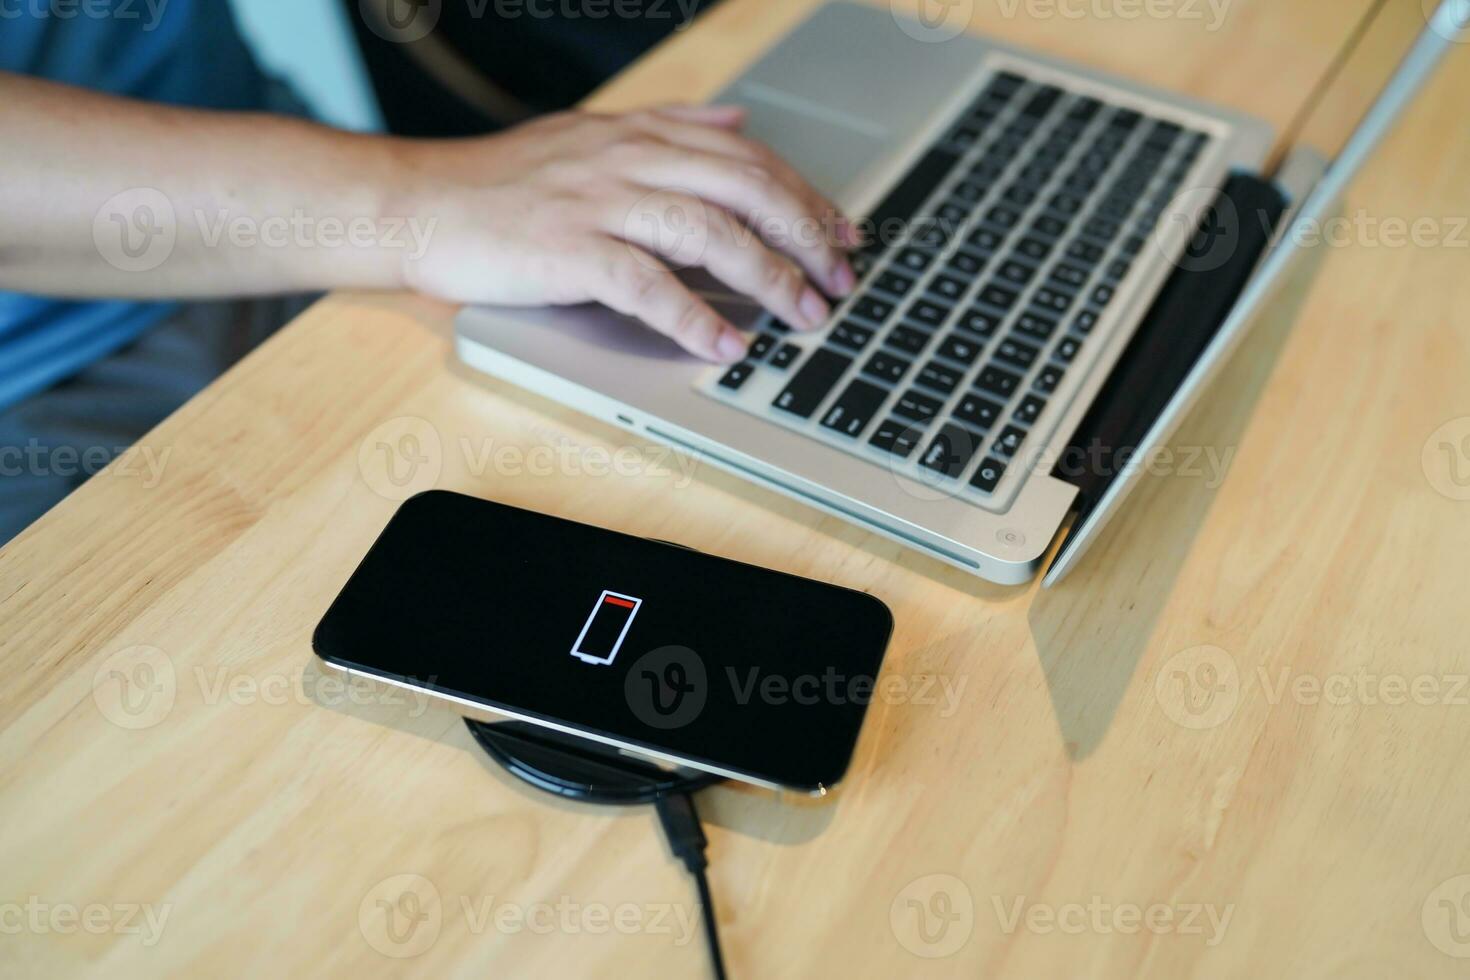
[
  {"x": 632, "y": 281},
  {"x": 731, "y": 117},
  {"x": 688, "y": 231},
  {"x": 792, "y": 221},
  {"x": 719, "y": 142}
]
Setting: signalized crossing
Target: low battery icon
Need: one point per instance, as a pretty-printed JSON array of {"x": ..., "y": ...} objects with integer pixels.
[{"x": 605, "y": 628}]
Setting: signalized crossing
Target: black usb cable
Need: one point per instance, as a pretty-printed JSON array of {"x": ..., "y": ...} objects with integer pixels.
[{"x": 680, "y": 820}]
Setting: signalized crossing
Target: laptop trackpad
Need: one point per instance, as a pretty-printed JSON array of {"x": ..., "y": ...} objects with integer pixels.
[{"x": 828, "y": 146}]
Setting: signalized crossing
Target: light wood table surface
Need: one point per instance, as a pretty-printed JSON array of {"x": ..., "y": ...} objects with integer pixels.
[{"x": 1233, "y": 744}]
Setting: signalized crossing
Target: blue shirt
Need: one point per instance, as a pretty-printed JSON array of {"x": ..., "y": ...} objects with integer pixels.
[{"x": 182, "y": 52}]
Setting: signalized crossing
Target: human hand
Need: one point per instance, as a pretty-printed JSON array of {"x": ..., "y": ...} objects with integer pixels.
[{"x": 577, "y": 207}]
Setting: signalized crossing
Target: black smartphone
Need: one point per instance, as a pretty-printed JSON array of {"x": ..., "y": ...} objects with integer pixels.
[{"x": 644, "y": 646}]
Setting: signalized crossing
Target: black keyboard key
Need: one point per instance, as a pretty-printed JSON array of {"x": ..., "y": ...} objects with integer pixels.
[
  {"x": 896, "y": 437},
  {"x": 988, "y": 474},
  {"x": 1085, "y": 108},
  {"x": 964, "y": 264},
  {"x": 985, "y": 239},
  {"x": 1019, "y": 195},
  {"x": 1053, "y": 300},
  {"x": 1132, "y": 245},
  {"x": 1066, "y": 204},
  {"x": 872, "y": 308},
  {"x": 914, "y": 259},
  {"x": 997, "y": 381},
  {"x": 1003, "y": 217},
  {"x": 916, "y": 405},
  {"x": 952, "y": 213},
  {"x": 1069, "y": 275},
  {"x": 980, "y": 322},
  {"x": 894, "y": 283},
  {"x": 854, "y": 409},
  {"x": 1048, "y": 378},
  {"x": 762, "y": 345},
  {"x": 1103, "y": 229},
  {"x": 886, "y": 366},
  {"x": 1125, "y": 119},
  {"x": 998, "y": 296},
  {"x": 979, "y": 411},
  {"x": 1085, "y": 251},
  {"x": 1049, "y": 225},
  {"x": 952, "y": 449},
  {"x": 778, "y": 326},
  {"x": 958, "y": 347},
  {"x": 902, "y": 202},
  {"x": 1035, "y": 249},
  {"x": 1067, "y": 349},
  {"x": 947, "y": 287},
  {"x": 929, "y": 313},
  {"x": 1118, "y": 269},
  {"x": 786, "y": 356},
  {"x": 1016, "y": 272},
  {"x": 853, "y": 336},
  {"x": 1084, "y": 322},
  {"x": 1009, "y": 441},
  {"x": 737, "y": 375},
  {"x": 1017, "y": 352},
  {"x": 910, "y": 340},
  {"x": 1036, "y": 326},
  {"x": 1042, "y": 102},
  {"x": 1102, "y": 295},
  {"x": 939, "y": 377},
  {"x": 812, "y": 382},
  {"x": 1030, "y": 409},
  {"x": 970, "y": 191},
  {"x": 1005, "y": 84}
]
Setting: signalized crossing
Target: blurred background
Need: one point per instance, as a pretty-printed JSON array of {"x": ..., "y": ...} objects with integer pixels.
[{"x": 362, "y": 64}]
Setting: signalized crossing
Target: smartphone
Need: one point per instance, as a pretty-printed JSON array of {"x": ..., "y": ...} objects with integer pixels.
[{"x": 654, "y": 649}]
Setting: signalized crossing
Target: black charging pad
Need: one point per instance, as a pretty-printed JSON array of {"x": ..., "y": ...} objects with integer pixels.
[{"x": 579, "y": 769}]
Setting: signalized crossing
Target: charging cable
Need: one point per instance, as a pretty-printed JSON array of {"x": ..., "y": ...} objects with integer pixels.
[{"x": 686, "y": 839}]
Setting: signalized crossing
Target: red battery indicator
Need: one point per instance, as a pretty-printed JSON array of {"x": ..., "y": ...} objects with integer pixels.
[{"x": 607, "y": 625}]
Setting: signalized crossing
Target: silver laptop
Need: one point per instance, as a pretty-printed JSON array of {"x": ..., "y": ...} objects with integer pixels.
[{"x": 1060, "y": 262}]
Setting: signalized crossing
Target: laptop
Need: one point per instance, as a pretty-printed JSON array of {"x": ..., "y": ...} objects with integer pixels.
[{"x": 1059, "y": 261}]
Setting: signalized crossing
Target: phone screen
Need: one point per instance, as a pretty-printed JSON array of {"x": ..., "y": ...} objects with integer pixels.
[{"x": 726, "y": 666}]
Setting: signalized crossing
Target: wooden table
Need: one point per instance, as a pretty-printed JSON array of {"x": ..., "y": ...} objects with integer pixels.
[{"x": 1233, "y": 744}]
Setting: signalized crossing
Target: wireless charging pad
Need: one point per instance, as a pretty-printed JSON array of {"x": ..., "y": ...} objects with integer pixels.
[{"x": 578, "y": 769}]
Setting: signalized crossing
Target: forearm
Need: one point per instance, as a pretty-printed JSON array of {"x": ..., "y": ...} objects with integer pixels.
[{"x": 104, "y": 196}]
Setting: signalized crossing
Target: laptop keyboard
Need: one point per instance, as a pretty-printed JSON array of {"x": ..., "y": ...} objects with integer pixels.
[{"x": 991, "y": 262}]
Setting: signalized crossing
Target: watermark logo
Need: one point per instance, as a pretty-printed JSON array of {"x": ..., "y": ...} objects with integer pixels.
[
  {"x": 933, "y": 916},
  {"x": 1446, "y": 917},
  {"x": 401, "y": 458},
  {"x": 933, "y": 21},
  {"x": 401, "y": 21},
  {"x": 1199, "y": 688},
  {"x": 1449, "y": 19},
  {"x": 39, "y": 917},
  {"x": 1101, "y": 917},
  {"x": 670, "y": 222},
  {"x": 120, "y": 10},
  {"x": 135, "y": 687},
  {"x": 136, "y": 231},
  {"x": 1446, "y": 459},
  {"x": 667, "y": 688},
  {"x": 401, "y": 916}
]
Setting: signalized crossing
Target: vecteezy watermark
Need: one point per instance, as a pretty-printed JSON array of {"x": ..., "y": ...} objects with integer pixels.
[
  {"x": 407, "y": 455},
  {"x": 1446, "y": 459},
  {"x": 1198, "y": 688},
  {"x": 669, "y": 688},
  {"x": 138, "y": 230},
  {"x": 1097, "y": 916},
  {"x": 37, "y": 916},
  {"x": 1209, "y": 13},
  {"x": 933, "y": 916},
  {"x": 150, "y": 12},
  {"x": 407, "y": 21},
  {"x": 933, "y": 21},
  {"x": 1446, "y": 917},
  {"x": 403, "y": 915},
  {"x": 1449, "y": 20},
  {"x": 140, "y": 462},
  {"x": 137, "y": 687}
]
